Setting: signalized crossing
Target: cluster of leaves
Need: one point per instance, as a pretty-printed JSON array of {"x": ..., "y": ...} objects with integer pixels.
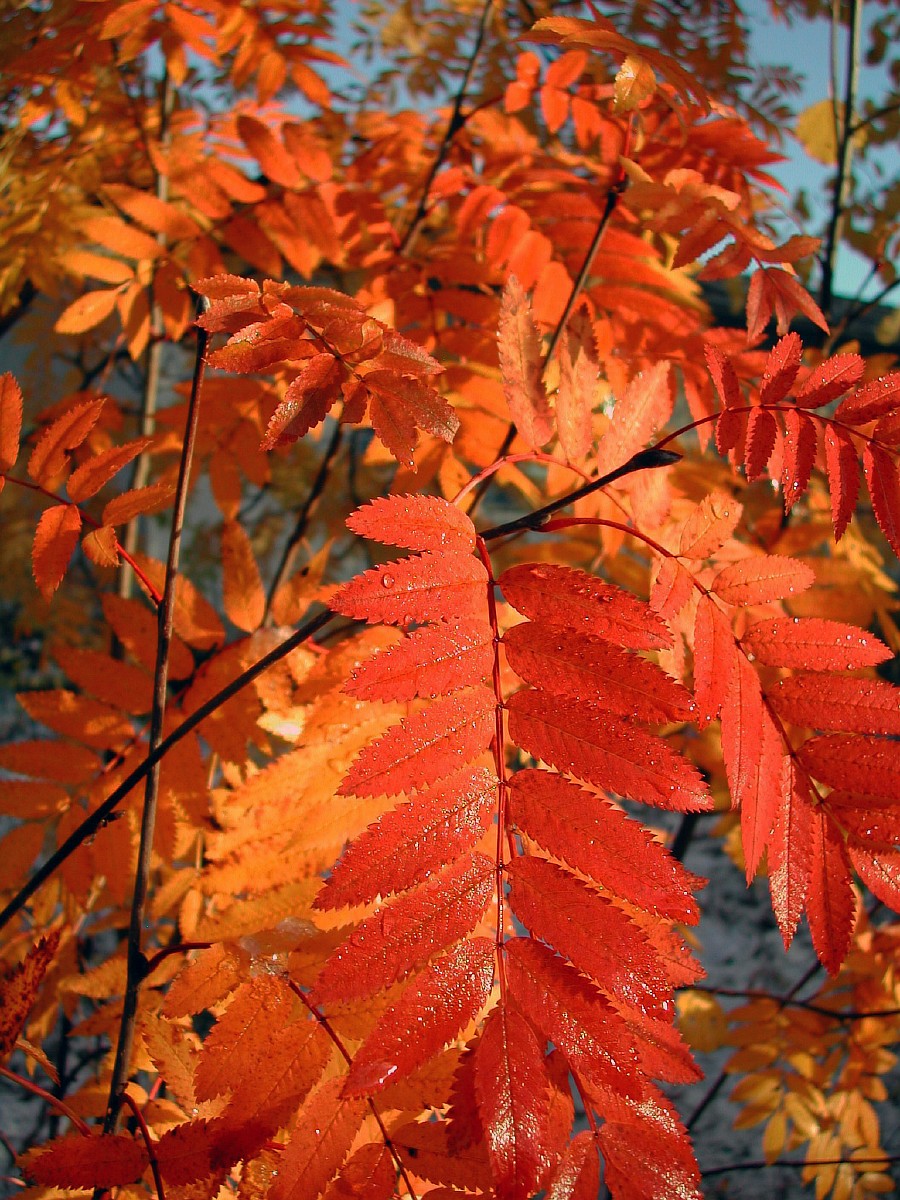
[{"x": 365, "y": 908}]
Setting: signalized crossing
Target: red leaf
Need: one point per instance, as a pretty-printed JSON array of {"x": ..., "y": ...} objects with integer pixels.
[
  {"x": 838, "y": 702},
  {"x": 671, "y": 589},
  {"x": 432, "y": 661},
  {"x": 604, "y": 751},
  {"x": 598, "y": 839},
  {"x": 648, "y": 1154},
  {"x": 790, "y": 298},
  {"x": 10, "y": 420},
  {"x": 572, "y": 663},
  {"x": 326, "y": 1128},
  {"x": 829, "y": 380},
  {"x": 520, "y": 365},
  {"x": 867, "y": 765},
  {"x": 730, "y": 430},
  {"x": 425, "y": 1150},
  {"x": 883, "y": 477},
  {"x": 789, "y": 850},
  {"x": 408, "y": 931},
  {"x": 431, "y": 1012},
  {"x": 831, "y": 904},
  {"x": 284, "y": 1072},
  {"x": 102, "y": 1161},
  {"x": 511, "y": 1085},
  {"x": 563, "y": 596},
  {"x": 426, "y": 587},
  {"x": 398, "y": 404},
  {"x": 243, "y": 595},
  {"x": 724, "y": 377},
  {"x": 415, "y": 523},
  {"x": 646, "y": 406},
  {"x": 798, "y": 455},
  {"x": 268, "y": 152},
  {"x": 879, "y": 871},
  {"x": 762, "y": 578},
  {"x": 369, "y": 1174},
  {"x": 55, "y": 538},
  {"x": 715, "y": 657},
  {"x": 50, "y": 455},
  {"x": 842, "y": 465},
  {"x": 19, "y": 987},
  {"x": 405, "y": 845},
  {"x": 578, "y": 1175},
  {"x": 780, "y": 371},
  {"x": 307, "y": 401},
  {"x": 813, "y": 644},
  {"x": 872, "y": 400},
  {"x": 751, "y": 746},
  {"x": 762, "y": 429},
  {"x": 595, "y": 935},
  {"x": 573, "y": 1015},
  {"x": 424, "y": 747},
  {"x": 759, "y": 305}
]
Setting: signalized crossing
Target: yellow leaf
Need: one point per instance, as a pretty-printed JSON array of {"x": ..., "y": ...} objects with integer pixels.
[
  {"x": 87, "y": 311},
  {"x": 702, "y": 1021},
  {"x": 775, "y": 1136},
  {"x": 635, "y": 83}
]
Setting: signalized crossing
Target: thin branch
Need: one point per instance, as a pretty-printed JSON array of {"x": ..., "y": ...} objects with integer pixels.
[
  {"x": 103, "y": 813},
  {"x": 136, "y": 968},
  {"x": 290, "y": 550},
  {"x": 148, "y": 1142},
  {"x": 762, "y": 1165},
  {"x": 642, "y": 461},
  {"x": 456, "y": 122},
  {"x": 843, "y": 1014}
]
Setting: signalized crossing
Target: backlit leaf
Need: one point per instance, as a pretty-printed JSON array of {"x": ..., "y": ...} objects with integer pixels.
[
  {"x": 645, "y": 406},
  {"x": 102, "y": 1161},
  {"x": 50, "y": 455},
  {"x": 19, "y": 987},
  {"x": 322, "y": 1138},
  {"x": 520, "y": 365},
  {"x": 243, "y": 595},
  {"x": 780, "y": 371},
  {"x": 868, "y": 765},
  {"x": 760, "y": 579},
  {"x": 883, "y": 477},
  {"x": 872, "y": 400},
  {"x": 789, "y": 850},
  {"x": 431, "y": 661},
  {"x": 415, "y": 523},
  {"x": 86, "y": 480},
  {"x": 55, "y": 538},
  {"x": 842, "y": 465},
  {"x": 838, "y": 702},
  {"x": 813, "y": 644},
  {"x": 426, "y": 587},
  {"x": 87, "y": 311},
  {"x": 831, "y": 903},
  {"x": 10, "y": 420},
  {"x": 710, "y": 525}
]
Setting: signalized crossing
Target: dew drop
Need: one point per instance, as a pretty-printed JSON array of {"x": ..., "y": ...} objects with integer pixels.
[{"x": 387, "y": 581}]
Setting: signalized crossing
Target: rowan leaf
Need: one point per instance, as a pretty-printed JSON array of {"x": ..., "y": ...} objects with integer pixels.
[
  {"x": 574, "y": 397},
  {"x": 761, "y": 579},
  {"x": 598, "y": 839},
  {"x": 102, "y": 1161},
  {"x": 882, "y": 473},
  {"x": 426, "y": 587},
  {"x": 424, "y": 747},
  {"x": 829, "y": 380},
  {"x": 243, "y": 595},
  {"x": 243, "y": 1034},
  {"x": 867, "y": 765},
  {"x": 51, "y": 454},
  {"x": 275, "y": 161},
  {"x": 780, "y": 371},
  {"x": 813, "y": 644},
  {"x": 10, "y": 420},
  {"x": 432, "y": 661},
  {"x": 425, "y": 1150},
  {"x": 831, "y": 903},
  {"x": 577, "y": 1177},
  {"x": 87, "y": 311},
  {"x": 879, "y": 871},
  {"x": 724, "y": 377},
  {"x": 575, "y": 664},
  {"x": 648, "y": 1153},
  {"x": 405, "y": 845},
  {"x": 19, "y": 987},
  {"x": 408, "y": 931},
  {"x": 55, "y": 538},
  {"x": 574, "y": 1016},
  {"x": 798, "y": 455},
  {"x": 645, "y": 406},
  {"x": 588, "y": 929},
  {"x": 512, "y": 1089},
  {"x": 762, "y": 430},
  {"x": 751, "y": 746},
  {"x": 433, "y": 1009},
  {"x": 86, "y": 480},
  {"x": 400, "y": 404},
  {"x": 872, "y": 400},
  {"x": 415, "y": 523},
  {"x": 322, "y": 1139},
  {"x": 563, "y": 596},
  {"x": 606, "y": 752},
  {"x": 789, "y": 850},
  {"x": 838, "y": 702},
  {"x": 309, "y": 398},
  {"x": 136, "y": 503},
  {"x": 842, "y": 465},
  {"x": 710, "y": 525},
  {"x": 520, "y": 366}
]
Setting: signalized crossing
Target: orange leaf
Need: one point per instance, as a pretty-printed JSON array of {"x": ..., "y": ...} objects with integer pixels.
[
  {"x": 646, "y": 405},
  {"x": 883, "y": 477},
  {"x": 431, "y": 1012},
  {"x": 244, "y": 598},
  {"x": 432, "y": 661},
  {"x": 102, "y": 1161},
  {"x": 19, "y": 987},
  {"x": 520, "y": 366},
  {"x": 55, "y": 538},
  {"x": 761, "y": 579},
  {"x": 814, "y": 644},
  {"x": 635, "y": 83},
  {"x": 789, "y": 852},
  {"x": 838, "y": 702},
  {"x": 86, "y": 480},
  {"x": 10, "y": 420},
  {"x": 153, "y": 498},
  {"x": 415, "y": 523},
  {"x": 831, "y": 903},
  {"x": 242, "y": 1034},
  {"x": 715, "y": 656},
  {"x": 578, "y": 1175},
  {"x": 843, "y": 477},
  {"x": 50, "y": 455},
  {"x": 269, "y": 152},
  {"x": 101, "y": 546},
  {"x": 307, "y": 401},
  {"x": 780, "y": 371},
  {"x": 872, "y": 400},
  {"x": 710, "y": 525},
  {"x": 87, "y": 311},
  {"x": 427, "y": 587}
]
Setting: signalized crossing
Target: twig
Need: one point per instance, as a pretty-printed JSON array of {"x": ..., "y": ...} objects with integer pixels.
[
  {"x": 101, "y": 815},
  {"x": 642, "y": 461},
  {"x": 148, "y": 1142},
  {"x": 456, "y": 122},
  {"x": 844, "y": 1014},
  {"x": 165, "y": 618},
  {"x": 345, "y": 1054},
  {"x": 290, "y": 550},
  {"x": 761, "y": 1164}
]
